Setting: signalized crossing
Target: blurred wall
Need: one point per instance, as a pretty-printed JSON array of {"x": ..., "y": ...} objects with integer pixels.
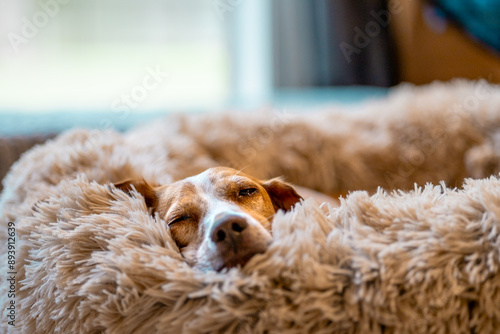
[{"x": 431, "y": 48}]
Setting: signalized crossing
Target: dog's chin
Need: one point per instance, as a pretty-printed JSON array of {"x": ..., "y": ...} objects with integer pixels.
[
  {"x": 237, "y": 261},
  {"x": 219, "y": 261},
  {"x": 250, "y": 245}
]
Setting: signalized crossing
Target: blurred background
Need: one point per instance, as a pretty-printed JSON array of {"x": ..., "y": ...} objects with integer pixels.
[{"x": 110, "y": 63}]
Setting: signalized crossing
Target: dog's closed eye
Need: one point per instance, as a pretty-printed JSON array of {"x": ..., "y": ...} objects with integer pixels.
[
  {"x": 178, "y": 219},
  {"x": 183, "y": 227}
]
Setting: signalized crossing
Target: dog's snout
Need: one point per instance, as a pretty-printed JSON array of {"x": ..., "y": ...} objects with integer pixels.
[
  {"x": 236, "y": 239},
  {"x": 228, "y": 229}
]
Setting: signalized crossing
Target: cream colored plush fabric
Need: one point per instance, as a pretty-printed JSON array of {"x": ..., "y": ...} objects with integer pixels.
[{"x": 90, "y": 259}]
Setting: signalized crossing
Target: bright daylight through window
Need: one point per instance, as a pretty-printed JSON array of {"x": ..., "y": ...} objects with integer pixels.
[{"x": 98, "y": 55}]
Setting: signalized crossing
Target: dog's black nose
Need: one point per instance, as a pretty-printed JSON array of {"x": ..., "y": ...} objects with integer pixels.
[{"x": 228, "y": 229}]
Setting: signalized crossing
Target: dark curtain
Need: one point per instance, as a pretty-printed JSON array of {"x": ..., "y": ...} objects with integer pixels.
[{"x": 332, "y": 42}]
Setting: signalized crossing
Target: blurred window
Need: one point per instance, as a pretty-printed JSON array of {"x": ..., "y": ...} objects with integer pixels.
[{"x": 100, "y": 55}]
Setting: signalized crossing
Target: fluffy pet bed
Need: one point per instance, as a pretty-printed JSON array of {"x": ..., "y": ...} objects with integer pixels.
[{"x": 90, "y": 259}]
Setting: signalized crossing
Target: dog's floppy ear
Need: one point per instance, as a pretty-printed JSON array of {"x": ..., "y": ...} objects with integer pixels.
[
  {"x": 143, "y": 188},
  {"x": 282, "y": 194}
]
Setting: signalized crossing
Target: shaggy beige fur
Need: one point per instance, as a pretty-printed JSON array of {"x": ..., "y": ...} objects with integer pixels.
[{"x": 90, "y": 259}]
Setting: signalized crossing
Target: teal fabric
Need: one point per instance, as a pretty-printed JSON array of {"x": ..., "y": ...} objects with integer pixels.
[
  {"x": 14, "y": 123},
  {"x": 481, "y": 18}
]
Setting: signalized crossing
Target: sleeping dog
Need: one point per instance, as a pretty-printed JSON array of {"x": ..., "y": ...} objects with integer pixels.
[{"x": 221, "y": 217}]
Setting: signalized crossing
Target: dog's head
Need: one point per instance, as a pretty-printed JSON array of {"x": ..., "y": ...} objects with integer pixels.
[{"x": 219, "y": 218}]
